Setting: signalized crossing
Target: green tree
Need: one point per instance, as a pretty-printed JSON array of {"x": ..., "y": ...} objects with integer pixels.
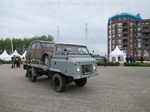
[{"x": 20, "y": 44}]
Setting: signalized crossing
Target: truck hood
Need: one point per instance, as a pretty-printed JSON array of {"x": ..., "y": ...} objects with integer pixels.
[{"x": 83, "y": 59}]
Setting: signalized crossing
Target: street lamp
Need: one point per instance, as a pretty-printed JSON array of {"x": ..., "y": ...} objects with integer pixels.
[{"x": 11, "y": 42}]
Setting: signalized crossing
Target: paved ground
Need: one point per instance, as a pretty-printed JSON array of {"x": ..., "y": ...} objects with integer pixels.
[{"x": 116, "y": 89}]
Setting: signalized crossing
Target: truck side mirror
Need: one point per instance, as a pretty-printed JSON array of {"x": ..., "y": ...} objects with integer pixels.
[
  {"x": 65, "y": 49},
  {"x": 92, "y": 54},
  {"x": 67, "y": 53}
]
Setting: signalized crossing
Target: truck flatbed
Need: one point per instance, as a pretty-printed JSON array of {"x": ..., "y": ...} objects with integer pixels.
[{"x": 40, "y": 66}]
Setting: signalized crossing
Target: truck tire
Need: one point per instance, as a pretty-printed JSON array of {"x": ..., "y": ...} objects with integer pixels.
[
  {"x": 81, "y": 82},
  {"x": 58, "y": 82},
  {"x": 46, "y": 60},
  {"x": 31, "y": 77}
]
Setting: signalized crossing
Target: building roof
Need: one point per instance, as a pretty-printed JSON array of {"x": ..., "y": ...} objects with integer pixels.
[{"x": 124, "y": 14}]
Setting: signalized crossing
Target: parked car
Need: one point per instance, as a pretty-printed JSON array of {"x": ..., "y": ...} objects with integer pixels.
[
  {"x": 147, "y": 58},
  {"x": 40, "y": 50},
  {"x": 1, "y": 61}
]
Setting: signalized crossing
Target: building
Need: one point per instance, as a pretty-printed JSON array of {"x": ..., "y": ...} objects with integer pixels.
[{"x": 130, "y": 33}]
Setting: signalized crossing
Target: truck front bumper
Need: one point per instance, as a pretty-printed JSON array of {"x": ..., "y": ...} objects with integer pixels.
[{"x": 85, "y": 76}]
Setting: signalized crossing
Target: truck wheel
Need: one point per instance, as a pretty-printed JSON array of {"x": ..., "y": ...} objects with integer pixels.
[
  {"x": 80, "y": 82},
  {"x": 46, "y": 60},
  {"x": 31, "y": 77},
  {"x": 59, "y": 82}
]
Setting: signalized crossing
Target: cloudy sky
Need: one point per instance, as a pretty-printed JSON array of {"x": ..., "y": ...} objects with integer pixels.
[{"x": 27, "y": 18}]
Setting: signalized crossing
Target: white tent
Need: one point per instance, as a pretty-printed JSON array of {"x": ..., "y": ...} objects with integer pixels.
[
  {"x": 117, "y": 52},
  {"x": 24, "y": 54},
  {"x": 15, "y": 53},
  {"x": 5, "y": 56}
]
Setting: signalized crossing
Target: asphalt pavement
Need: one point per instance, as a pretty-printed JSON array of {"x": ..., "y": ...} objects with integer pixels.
[{"x": 115, "y": 89}]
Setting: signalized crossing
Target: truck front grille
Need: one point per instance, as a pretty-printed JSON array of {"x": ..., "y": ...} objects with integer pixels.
[{"x": 86, "y": 69}]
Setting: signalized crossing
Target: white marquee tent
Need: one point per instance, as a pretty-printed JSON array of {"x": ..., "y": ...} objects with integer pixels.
[
  {"x": 24, "y": 54},
  {"x": 5, "y": 56},
  {"x": 117, "y": 52},
  {"x": 15, "y": 53}
]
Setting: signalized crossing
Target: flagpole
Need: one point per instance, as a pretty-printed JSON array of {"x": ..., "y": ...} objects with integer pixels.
[{"x": 11, "y": 42}]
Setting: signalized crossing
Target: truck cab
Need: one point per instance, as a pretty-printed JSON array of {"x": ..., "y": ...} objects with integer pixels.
[{"x": 73, "y": 60}]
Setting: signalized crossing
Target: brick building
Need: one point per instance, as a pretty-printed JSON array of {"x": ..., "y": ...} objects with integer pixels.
[{"x": 130, "y": 33}]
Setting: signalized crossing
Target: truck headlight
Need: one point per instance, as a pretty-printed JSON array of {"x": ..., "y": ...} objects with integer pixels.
[
  {"x": 94, "y": 67},
  {"x": 78, "y": 69}
]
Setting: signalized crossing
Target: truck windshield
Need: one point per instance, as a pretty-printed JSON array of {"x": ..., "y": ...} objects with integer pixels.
[{"x": 77, "y": 50}]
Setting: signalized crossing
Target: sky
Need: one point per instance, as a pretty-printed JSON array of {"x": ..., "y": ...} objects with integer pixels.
[{"x": 28, "y": 18}]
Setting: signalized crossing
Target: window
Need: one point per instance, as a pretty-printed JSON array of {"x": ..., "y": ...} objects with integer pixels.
[
  {"x": 113, "y": 41},
  {"x": 139, "y": 24},
  {"x": 125, "y": 30},
  {"x": 131, "y": 29},
  {"x": 113, "y": 36},
  {"x": 134, "y": 29},
  {"x": 119, "y": 35},
  {"x": 109, "y": 32},
  {"x": 125, "y": 51},
  {"x": 131, "y": 35},
  {"x": 119, "y": 25},
  {"x": 38, "y": 46},
  {"x": 131, "y": 24},
  {"x": 113, "y": 31},
  {"x": 119, "y": 41},
  {"x": 113, "y": 26},
  {"x": 110, "y": 27},
  {"x": 131, "y": 46},
  {"x": 139, "y": 51},
  {"x": 139, "y": 29},
  {"x": 33, "y": 45},
  {"x": 145, "y": 28},
  {"x": 125, "y": 24},
  {"x": 119, "y": 30},
  {"x": 113, "y": 46},
  {"x": 139, "y": 45},
  {"x": 146, "y": 52},
  {"x": 139, "y": 40},
  {"x": 125, "y": 35},
  {"x": 131, "y": 52},
  {"x": 59, "y": 51},
  {"x": 120, "y": 46},
  {"x": 139, "y": 34},
  {"x": 47, "y": 45}
]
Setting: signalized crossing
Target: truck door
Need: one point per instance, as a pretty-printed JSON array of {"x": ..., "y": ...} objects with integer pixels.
[{"x": 59, "y": 61}]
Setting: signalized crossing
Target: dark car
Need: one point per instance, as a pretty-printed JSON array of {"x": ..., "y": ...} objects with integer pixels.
[
  {"x": 1, "y": 61},
  {"x": 40, "y": 50}
]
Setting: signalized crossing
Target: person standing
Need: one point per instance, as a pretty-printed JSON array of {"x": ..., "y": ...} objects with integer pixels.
[
  {"x": 137, "y": 58},
  {"x": 127, "y": 59},
  {"x": 13, "y": 61},
  {"x": 130, "y": 58},
  {"x": 141, "y": 59},
  {"x": 19, "y": 61},
  {"x": 105, "y": 61},
  {"x": 119, "y": 58},
  {"x": 133, "y": 59}
]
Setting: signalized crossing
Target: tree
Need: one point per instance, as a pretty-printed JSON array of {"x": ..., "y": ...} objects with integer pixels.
[{"x": 20, "y": 44}]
